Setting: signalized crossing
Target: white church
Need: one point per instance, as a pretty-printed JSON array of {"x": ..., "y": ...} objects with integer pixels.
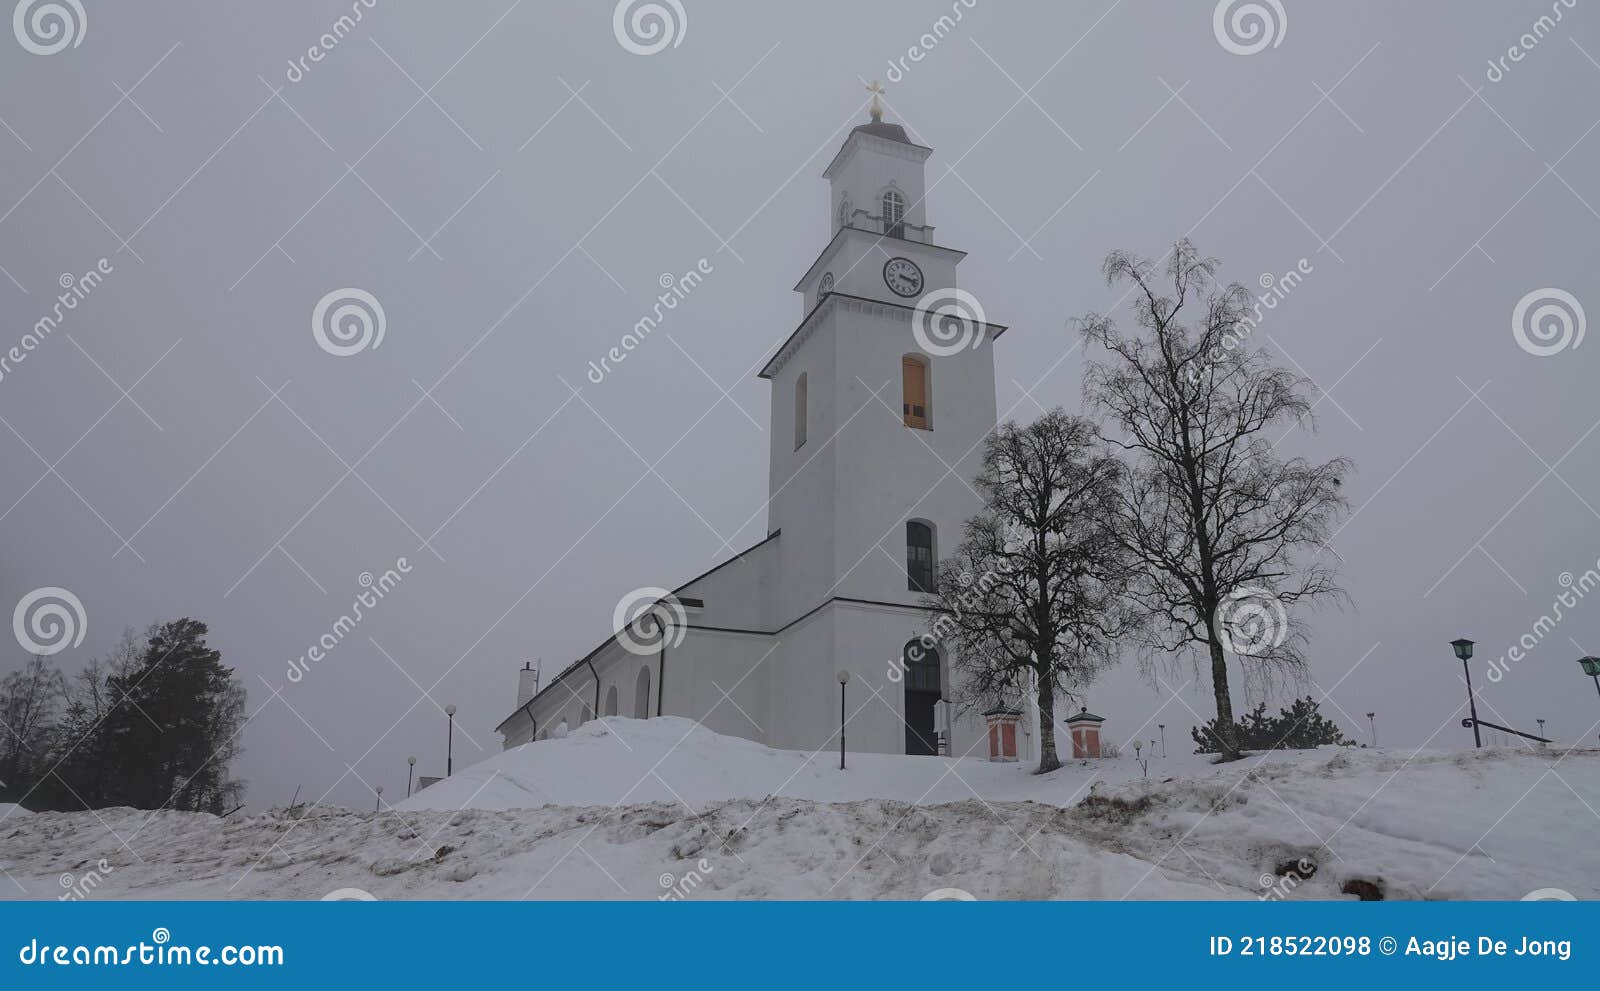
[{"x": 874, "y": 441}]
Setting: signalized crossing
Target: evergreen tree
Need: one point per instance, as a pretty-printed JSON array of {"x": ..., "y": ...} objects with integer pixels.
[
  {"x": 173, "y": 731},
  {"x": 1299, "y": 726}
]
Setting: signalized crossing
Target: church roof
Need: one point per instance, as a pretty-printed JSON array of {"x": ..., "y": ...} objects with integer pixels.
[
  {"x": 894, "y": 132},
  {"x": 1085, "y": 716}
]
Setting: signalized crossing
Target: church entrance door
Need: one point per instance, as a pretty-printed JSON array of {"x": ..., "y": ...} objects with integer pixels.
[{"x": 922, "y": 696}]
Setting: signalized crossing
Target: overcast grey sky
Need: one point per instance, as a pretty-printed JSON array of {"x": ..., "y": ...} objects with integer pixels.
[{"x": 510, "y": 182}]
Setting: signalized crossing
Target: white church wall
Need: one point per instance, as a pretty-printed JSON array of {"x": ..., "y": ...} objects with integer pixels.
[
  {"x": 889, "y": 473},
  {"x": 801, "y": 482},
  {"x": 805, "y": 700},
  {"x": 708, "y": 663},
  {"x": 738, "y": 594}
]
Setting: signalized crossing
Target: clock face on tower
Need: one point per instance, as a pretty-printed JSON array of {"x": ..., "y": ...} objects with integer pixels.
[{"x": 902, "y": 276}]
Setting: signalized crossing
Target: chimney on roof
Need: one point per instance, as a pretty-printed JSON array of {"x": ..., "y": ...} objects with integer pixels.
[{"x": 527, "y": 684}]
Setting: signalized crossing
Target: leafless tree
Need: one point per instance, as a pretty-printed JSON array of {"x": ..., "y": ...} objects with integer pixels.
[
  {"x": 1225, "y": 533},
  {"x": 28, "y": 702},
  {"x": 1032, "y": 599}
]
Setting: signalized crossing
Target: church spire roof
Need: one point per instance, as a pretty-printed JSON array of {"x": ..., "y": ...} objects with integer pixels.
[{"x": 894, "y": 132}]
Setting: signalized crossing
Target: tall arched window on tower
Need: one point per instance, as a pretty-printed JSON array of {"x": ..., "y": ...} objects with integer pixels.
[
  {"x": 800, "y": 412},
  {"x": 894, "y": 214},
  {"x": 919, "y": 556},
  {"x": 914, "y": 390},
  {"x": 611, "y": 701}
]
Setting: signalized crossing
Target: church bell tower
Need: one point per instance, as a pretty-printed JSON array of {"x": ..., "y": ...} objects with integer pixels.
[{"x": 880, "y": 398}]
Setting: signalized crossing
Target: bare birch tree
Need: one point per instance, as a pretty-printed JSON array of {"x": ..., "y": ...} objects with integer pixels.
[{"x": 1225, "y": 533}]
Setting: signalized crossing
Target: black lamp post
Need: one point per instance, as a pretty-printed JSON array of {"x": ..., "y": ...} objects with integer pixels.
[
  {"x": 1163, "y": 728},
  {"x": 1463, "y": 649},
  {"x": 1372, "y": 720},
  {"x": 411, "y": 768},
  {"x": 450, "y": 740},
  {"x": 844, "y": 678},
  {"x": 378, "y": 805},
  {"x": 1591, "y": 667}
]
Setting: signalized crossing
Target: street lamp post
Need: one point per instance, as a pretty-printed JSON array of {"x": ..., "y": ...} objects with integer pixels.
[
  {"x": 1591, "y": 667},
  {"x": 1463, "y": 649},
  {"x": 844, "y": 678},
  {"x": 450, "y": 740},
  {"x": 1372, "y": 720},
  {"x": 1163, "y": 728},
  {"x": 378, "y": 805},
  {"x": 411, "y": 768}
]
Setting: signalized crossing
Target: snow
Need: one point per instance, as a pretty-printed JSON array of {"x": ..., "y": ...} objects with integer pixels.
[{"x": 664, "y": 808}]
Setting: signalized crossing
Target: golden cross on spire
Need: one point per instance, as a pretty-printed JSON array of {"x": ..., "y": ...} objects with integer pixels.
[{"x": 876, "y": 89}]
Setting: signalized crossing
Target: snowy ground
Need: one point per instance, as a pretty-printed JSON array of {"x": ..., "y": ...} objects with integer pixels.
[{"x": 630, "y": 809}]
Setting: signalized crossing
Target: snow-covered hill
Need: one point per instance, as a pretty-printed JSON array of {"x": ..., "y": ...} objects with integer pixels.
[{"x": 630, "y": 809}]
